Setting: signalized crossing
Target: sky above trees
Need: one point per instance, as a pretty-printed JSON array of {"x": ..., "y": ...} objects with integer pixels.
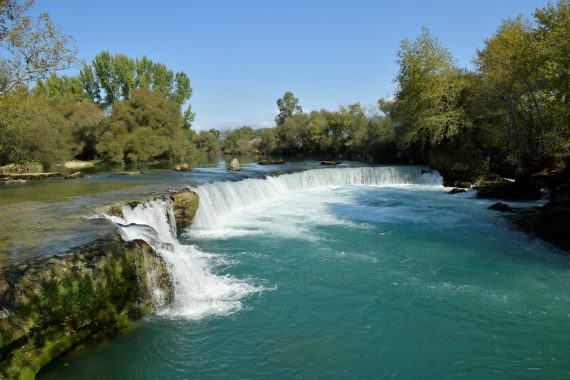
[{"x": 242, "y": 56}]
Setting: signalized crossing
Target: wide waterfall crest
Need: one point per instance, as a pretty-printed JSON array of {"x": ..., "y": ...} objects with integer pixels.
[
  {"x": 219, "y": 198},
  {"x": 198, "y": 292}
]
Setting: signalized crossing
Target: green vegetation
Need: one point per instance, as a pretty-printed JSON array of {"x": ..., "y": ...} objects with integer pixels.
[
  {"x": 51, "y": 304},
  {"x": 117, "y": 109},
  {"x": 509, "y": 115}
]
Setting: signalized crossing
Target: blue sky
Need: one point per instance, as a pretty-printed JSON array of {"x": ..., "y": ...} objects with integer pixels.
[{"x": 243, "y": 55}]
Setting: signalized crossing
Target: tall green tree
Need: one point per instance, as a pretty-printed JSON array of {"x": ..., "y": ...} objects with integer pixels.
[
  {"x": 288, "y": 106},
  {"x": 428, "y": 109},
  {"x": 145, "y": 127},
  {"x": 107, "y": 77}
]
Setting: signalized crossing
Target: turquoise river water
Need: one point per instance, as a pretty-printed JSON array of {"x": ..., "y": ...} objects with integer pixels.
[{"x": 343, "y": 273}]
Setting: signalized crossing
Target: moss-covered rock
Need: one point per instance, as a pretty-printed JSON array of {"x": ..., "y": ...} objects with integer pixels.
[
  {"x": 185, "y": 204},
  {"x": 50, "y": 304},
  {"x": 22, "y": 167}
]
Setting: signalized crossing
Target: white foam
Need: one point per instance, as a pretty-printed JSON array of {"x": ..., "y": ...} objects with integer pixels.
[
  {"x": 219, "y": 199},
  {"x": 290, "y": 205},
  {"x": 198, "y": 292}
]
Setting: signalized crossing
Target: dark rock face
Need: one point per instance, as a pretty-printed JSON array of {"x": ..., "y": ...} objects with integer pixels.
[
  {"x": 50, "y": 304},
  {"x": 456, "y": 190},
  {"x": 271, "y": 162},
  {"x": 330, "y": 162},
  {"x": 550, "y": 222},
  {"x": 500, "y": 206},
  {"x": 503, "y": 189}
]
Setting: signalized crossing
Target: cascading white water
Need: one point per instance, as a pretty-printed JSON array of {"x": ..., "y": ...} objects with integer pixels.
[
  {"x": 217, "y": 199},
  {"x": 198, "y": 292}
]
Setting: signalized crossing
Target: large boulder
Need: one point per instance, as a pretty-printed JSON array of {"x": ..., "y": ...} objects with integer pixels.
[
  {"x": 500, "y": 206},
  {"x": 182, "y": 168},
  {"x": 185, "y": 204},
  {"x": 234, "y": 165},
  {"x": 50, "y": 304}
]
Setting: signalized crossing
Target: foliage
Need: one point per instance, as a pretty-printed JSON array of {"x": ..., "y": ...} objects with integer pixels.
[
  {"x": 33, "y": 46},
  {"x": 208, "y": 142},
  {"x": 146, "y": 127},
  {"x": 240, "y": 141},
  {"x": 288, "y": 106},
  {"x": 427, "y": 110}
]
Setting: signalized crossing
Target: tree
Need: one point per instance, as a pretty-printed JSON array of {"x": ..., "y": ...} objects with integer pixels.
[
  {"x": 64, "y": 86},
  {"x": 90, "y": 83},
  {"x": 182, "y": 89},
  {"x": 147, "y": 126},
  {"x": 288, "y": 106},
  {"x": 427, "y": 108},
  {"x": 107, "y": 77},
  {"x": 513, "y": 93},
  {"x": 31, "y": 130},
  {"x": 34, "y": 47}
]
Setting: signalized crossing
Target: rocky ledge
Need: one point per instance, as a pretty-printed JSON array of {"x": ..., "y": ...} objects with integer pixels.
[{"x": 49, "y": 305}]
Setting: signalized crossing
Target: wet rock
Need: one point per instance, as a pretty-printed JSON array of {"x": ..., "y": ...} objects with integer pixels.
[
  {"x": 32, "y": 176},
  {"x": 271, "y": 162},
  {"x": 550, "y": 222},
  {"x": 182, "y": 168},
  {"x": 456, "y": 190},
  {"x": 51, "y": 304},
  {"x": 74, "y": 175},
  {"x": 185, "y": 204},
  {"x": 500, "y": 206},
  {"x": 234, "y": 165},
  {"x": 129, "y": 173},
  {"x": 457, "y": 184},
  {"x": 330, "y": 162},
  {"x": 505, "y": 189}
]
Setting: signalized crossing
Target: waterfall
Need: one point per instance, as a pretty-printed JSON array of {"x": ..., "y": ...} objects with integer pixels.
[
  {"x": 198, "y": 292},
  {"x": 218, "y": 198}
]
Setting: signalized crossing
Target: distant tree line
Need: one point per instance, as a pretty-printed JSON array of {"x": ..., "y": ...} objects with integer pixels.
[{"x": 509, "y": 115}]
